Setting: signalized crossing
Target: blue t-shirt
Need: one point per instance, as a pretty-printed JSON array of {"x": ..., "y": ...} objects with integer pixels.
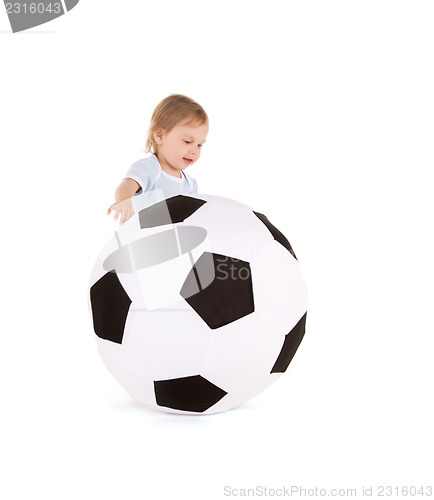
[{"x": 155, "y": 184}]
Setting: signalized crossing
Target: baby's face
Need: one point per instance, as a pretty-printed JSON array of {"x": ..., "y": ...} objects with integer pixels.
[{"x": 181, "y": 147}]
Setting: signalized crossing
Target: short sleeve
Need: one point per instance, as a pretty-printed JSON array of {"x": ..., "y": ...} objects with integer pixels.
[{"x": 144, "y": 172}]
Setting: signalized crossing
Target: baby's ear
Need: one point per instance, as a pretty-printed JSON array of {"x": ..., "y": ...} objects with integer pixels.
[{"x": 158, "y": 135}]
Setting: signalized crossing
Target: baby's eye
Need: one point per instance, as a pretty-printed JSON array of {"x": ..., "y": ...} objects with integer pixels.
[{"x": 187, "y": 142}]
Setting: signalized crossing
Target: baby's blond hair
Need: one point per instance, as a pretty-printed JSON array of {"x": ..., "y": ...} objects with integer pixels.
[{"x": 172, "y": 110}]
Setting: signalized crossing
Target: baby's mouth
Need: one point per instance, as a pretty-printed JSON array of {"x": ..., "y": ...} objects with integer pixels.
[{"x": 188, "y": 161}]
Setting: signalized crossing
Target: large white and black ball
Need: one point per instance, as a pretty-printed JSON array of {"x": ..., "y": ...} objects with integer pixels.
[{"x": 198, "y": 304}]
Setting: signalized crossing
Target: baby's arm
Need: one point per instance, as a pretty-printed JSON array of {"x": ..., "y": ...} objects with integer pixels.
[{"x": 123, "y": 206}]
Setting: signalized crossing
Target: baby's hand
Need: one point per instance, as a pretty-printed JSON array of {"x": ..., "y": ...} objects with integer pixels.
[{"x": 124, "y": 209}]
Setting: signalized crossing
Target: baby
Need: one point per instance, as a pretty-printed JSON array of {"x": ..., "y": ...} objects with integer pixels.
[{"x": 178, "y": 130}]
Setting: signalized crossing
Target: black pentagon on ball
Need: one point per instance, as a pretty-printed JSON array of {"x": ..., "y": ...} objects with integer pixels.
[
  {"x": 193, "y": 393},
  {"x": 169, "y": 211},
  {"x": 228, "y": 297},
  {"x": 290, "y": 346},
  {"x": 277, "y": 235},
  {"x": 110, "y": 305}
]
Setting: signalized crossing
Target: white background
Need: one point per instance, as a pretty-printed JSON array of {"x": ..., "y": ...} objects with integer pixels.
[{"x": 321, "y": 118}]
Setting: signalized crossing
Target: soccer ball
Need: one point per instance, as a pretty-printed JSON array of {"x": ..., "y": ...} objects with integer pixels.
[{"x": 198, "y": 304}]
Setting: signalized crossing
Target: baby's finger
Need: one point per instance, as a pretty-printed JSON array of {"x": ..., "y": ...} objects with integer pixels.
[
  {"x": 111, "y": 208},
  {"x": 127, "y": 214},
  {"x": 124, "y": 217}
]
